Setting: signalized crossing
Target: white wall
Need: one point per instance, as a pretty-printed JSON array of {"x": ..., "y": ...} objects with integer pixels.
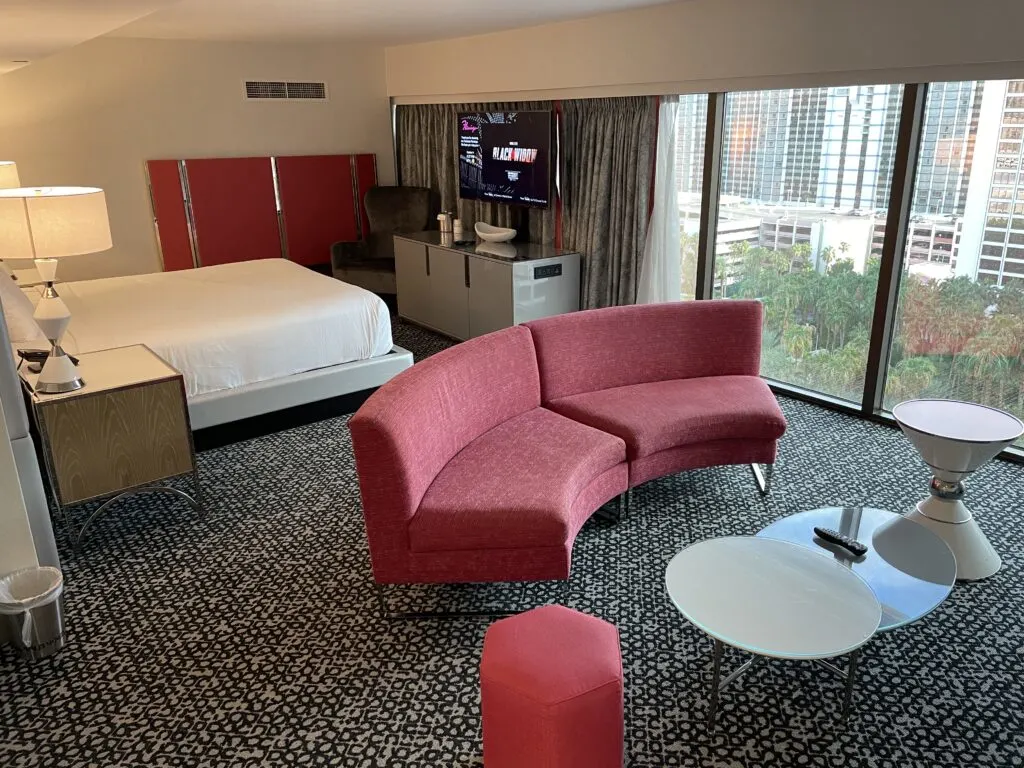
[
  {"x": 704, "y": 45},
  {"x": 94, "y": 114}
]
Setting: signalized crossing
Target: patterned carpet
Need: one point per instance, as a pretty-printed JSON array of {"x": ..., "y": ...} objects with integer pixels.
[{"x": 252, "y": 638}]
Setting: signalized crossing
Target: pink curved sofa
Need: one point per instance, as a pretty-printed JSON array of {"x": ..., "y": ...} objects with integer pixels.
[{"x": 482, "y": 462}]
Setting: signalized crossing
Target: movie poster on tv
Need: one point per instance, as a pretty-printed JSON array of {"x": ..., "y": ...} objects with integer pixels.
[{"x": 504, "y": 157}]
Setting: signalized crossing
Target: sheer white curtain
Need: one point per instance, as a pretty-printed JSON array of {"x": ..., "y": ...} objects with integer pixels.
[{"x": 661, "y": 273}]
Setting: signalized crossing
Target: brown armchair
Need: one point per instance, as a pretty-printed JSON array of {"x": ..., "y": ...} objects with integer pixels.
[{"x": 370, "y": 263}]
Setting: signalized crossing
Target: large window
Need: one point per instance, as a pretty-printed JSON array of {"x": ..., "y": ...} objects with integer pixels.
[
  {"x": 806, "y": 177},
  {"x": 809, "y": 181},
  {"x": 959, "y": 330}
]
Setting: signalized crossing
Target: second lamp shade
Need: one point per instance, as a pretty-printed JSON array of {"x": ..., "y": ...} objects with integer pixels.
[{"x": 53, "y": 222}]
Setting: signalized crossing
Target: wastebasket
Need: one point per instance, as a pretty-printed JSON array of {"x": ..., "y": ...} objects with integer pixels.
[{"x": 32, "y": 606}]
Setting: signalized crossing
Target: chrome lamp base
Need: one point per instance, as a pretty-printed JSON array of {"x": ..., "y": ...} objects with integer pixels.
[{"x": 59, "y": 374}]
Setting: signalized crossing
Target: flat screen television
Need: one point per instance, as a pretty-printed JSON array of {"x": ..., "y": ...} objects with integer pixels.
[{"x": 505, "y": 157}]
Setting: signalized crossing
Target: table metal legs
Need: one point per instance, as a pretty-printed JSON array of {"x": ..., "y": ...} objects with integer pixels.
[
  {"x": 718, "y": 685},
  {"x": 851, "y": 678},
  {"x": 147, "y": 489},
  {"x": 715, "y": 684},
  {"x": 195, "y": 501}
]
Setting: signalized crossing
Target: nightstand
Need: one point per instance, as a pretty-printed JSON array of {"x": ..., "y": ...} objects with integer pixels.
[{"x": 123, "y": 433}]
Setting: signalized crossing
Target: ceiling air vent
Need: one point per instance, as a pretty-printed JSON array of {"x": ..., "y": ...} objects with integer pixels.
[{"x": 280, "y": 89}]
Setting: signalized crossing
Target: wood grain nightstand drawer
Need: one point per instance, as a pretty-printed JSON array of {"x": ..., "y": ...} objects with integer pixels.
[
  {"x": 123, "y": 433},
  {"x": 104, "y": 443}
]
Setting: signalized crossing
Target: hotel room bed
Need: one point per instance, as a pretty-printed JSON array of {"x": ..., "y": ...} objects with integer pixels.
[{"x": 249, "y": 337}]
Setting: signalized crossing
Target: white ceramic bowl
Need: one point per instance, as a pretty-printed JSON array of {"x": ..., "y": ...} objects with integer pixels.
[{"x": 493, "y": 234}]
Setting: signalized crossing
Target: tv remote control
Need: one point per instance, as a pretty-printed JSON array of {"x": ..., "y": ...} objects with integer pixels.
[{"x": 835, "y": 537}]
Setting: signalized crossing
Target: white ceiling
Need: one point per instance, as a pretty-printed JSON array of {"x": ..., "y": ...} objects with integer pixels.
[
  {"x": 33, "y": 29},
  {"x": 381, "y": 21}
]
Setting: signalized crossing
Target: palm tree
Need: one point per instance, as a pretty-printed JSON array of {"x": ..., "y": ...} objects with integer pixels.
[
  {"x": 954, "y": 337},
  {"x": 800, "y": 257},
  {"x": 826, "y": 257},
  {"x": 798, "y": 340},
  {"x": 910, "y": 378}
]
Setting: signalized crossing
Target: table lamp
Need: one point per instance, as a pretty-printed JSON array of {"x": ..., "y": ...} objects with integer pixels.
[
  {"x": 8, "y": 175},
  {"x": 47, "y": 224}
]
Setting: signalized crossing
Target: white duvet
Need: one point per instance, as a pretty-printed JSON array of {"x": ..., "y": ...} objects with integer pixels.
[{"x": 230, "y": 325}]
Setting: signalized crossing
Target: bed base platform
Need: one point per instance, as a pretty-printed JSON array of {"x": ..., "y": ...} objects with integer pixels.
[{"x": 225, "y": 408}]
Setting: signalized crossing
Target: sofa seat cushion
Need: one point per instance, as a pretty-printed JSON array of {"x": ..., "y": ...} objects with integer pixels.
[
  {"x": 514, "y": 486},
  {"x": 666, "y": 414}
]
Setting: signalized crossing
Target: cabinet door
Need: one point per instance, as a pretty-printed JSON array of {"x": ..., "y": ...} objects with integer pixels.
[
  {"x": 449, "y": 294},
  {"x": 412, "y": 280},
  {"x": 490, "y": 296},
  {"x": 546, "y": 288}
]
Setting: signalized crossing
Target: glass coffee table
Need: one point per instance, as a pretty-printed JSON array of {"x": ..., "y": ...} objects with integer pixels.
[
  {"x": 910, "y": 568},
  {"x": 773, "y": 599}
]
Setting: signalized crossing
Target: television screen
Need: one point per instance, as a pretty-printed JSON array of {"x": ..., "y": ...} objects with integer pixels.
[{"x": 504, "y": 157}]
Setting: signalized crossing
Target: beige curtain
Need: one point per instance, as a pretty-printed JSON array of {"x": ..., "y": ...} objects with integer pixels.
[
  {"x": 607, "y": 166},
  {"x": 428, "y": 156}
]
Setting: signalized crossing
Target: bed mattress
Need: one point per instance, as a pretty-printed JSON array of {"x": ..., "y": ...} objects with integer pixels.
[{"x": 230, "y": 325}]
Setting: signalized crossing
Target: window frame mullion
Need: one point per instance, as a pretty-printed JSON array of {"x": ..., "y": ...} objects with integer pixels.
[
  {"x": 713, "y": 142},
  {"x": 897, "y": 222}
]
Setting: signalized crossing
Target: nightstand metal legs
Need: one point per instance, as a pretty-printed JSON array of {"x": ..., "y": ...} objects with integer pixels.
[{"x": 194, "y": 501}]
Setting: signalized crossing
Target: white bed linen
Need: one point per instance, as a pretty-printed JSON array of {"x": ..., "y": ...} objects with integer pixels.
[{"x": 233, "y": 324}]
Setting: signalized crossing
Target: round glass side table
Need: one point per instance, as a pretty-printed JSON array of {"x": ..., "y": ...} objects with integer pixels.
[
  {"x": 772, "y": 599},
  {"x": 910, "y": 568}
]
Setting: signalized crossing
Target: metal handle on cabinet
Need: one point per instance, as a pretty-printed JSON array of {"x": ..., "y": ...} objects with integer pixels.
[
  {"x": 428, "y": 263},
  {"x": 465, "y": 264}
]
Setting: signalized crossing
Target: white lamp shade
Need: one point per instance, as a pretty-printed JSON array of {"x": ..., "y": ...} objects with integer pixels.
[
  {"x": 8, "y": 175},
  {"x": 53, "y": 222}
]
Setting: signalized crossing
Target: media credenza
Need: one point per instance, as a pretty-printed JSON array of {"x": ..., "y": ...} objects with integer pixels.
[{"x": 465, "y": 291}]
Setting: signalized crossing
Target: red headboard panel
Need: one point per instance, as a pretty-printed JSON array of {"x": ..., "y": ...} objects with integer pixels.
[
  {"x": 234, "y": 209},
  {"x": 317, "y": 200},
  {"x": 366, "y": 177},
  {"x": 169, "y": 211}
]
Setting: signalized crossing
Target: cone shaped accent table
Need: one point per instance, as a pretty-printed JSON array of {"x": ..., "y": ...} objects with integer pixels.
[{"x": 956, "y": 438}]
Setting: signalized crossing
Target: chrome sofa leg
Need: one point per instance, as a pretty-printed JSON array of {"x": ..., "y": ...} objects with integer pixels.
[
  {"x": 763, "y": 478},
  {"x": 628, "y": 498},
  {"x": 608, "y": 514},
  {"x": 382, "y": 599}
]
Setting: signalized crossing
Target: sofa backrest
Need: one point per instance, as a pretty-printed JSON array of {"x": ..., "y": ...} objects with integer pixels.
[
  {"x": 407, "y": 431},
  {"x": 604, "y": 348}
]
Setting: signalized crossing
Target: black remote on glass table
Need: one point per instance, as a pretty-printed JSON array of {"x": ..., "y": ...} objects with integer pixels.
[{"x": 835, "y": 537}]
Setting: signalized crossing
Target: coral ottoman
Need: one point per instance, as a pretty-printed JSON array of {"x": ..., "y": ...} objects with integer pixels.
[{"x": 551, "y": 691}]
